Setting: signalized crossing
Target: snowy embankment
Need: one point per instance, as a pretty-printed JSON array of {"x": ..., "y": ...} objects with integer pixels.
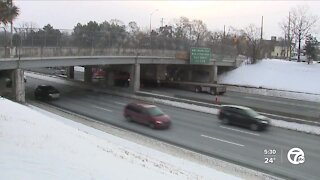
[
  {"x": 36, "y": 146},
  {"x": 278, "y": 78}
]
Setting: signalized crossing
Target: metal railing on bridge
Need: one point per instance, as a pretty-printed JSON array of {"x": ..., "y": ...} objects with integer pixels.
[{"x": 49, "y": 42}]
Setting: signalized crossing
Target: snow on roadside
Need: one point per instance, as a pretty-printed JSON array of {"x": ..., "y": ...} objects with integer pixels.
[
  {"x": 187, "y": 106},
  {"x": 296, "y": 126},
  {"x": 276, "y": 93},
  {"x": 36, "y": 146}
]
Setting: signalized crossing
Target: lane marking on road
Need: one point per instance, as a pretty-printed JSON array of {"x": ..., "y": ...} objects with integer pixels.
[
  {"x": 223, "y": 140},
  {"x": 255, "y": 134},
  {"x": 119, "y": 103},
  {"x": 281, "y": 102},
  {"x": 98, "y": 107}
]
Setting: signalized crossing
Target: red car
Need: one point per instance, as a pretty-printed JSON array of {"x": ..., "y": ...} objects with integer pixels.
[{"x": 147, "y": 114}]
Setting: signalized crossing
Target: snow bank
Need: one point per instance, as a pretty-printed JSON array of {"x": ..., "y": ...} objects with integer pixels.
[
  {"x": 276, "y": 93},
  {"x": 35, "y": 146},
  {"x": 296, "y": 126},
  {"x": 187, "y": 106},
  {"x": 276, "y": 74}
]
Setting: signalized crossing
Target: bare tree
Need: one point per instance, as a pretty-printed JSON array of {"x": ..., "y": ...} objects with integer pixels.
[
  {"x": 134, "y": 32},
  {"x": 28, "y": 30},
  {"x": 183, "y": 28},
  {"x": 199, "y": 31},
  {"x": 28, "y": 26},
  {"x": 301, "y": 24},
  {"x": 287, "y": 37},
  {"x": 133, "y": 27},
  {"x": 253, "y": 36}
]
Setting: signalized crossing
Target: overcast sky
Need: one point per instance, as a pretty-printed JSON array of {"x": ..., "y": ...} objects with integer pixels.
[{"x": 66, "y": 14}]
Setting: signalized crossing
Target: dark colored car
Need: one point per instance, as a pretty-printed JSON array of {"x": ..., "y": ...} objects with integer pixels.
[
  {"x": 243, "y": 116},
  {"x": 46, "y": 92},
  {"x": 147, "y": 114}
]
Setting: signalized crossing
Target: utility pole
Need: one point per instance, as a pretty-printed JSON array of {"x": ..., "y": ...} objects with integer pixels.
[
  {"x": 260, "y": 43},
  {"x": 9, "y": 2},
  {"x": 150, "y": 28},
  {"x": 261, "y": 27},
  {"x": 161, "y": 22},
  {"x": 223, "y": 39},
  {"x": 289, "y": 40}
]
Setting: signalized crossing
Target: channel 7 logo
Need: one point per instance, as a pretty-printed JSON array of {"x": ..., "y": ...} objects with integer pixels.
[{"x": 296, "y": 156}]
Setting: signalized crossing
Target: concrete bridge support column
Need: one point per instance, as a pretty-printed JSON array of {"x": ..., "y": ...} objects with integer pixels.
[
  {"x": 136, "y": 83},
  {"x": 213, "y": 73},
  {"x": 135, "y": 77},
  {"x": 88, "y": 74},
  {"x": 110, "y": 78},
  {"x": 18, "y": 85},
  {"x": 70, "y": 72}
]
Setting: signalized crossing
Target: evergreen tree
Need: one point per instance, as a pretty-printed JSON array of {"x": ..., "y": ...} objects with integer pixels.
[{"x": 310, "y": 48}]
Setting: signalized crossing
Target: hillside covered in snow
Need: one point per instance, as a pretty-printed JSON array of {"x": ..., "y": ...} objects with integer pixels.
[{"x": 276, "y": 74}]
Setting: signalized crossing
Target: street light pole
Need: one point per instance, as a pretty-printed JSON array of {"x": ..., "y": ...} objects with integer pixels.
[
  {"x": 11, "y": 29},
  {"x": 151, "y": 16},
  {"x": 150, "y": 25},
  {"x": 5, "y": 39}
]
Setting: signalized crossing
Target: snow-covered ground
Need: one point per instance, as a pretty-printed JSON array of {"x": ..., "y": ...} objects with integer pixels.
[
  {"x": 34, "y": 145},
  {"x": 276, "y": 74}
]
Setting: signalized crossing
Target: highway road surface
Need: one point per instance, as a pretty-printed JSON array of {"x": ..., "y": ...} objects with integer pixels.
[
  {"x": 264, "y": 151},
  {"x": 306, "y": 110}
]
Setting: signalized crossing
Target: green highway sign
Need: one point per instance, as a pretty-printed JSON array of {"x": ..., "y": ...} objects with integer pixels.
[{"x": 200, "y": 55}]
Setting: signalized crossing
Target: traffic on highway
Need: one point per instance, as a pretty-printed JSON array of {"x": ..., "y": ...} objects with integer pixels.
[{"x": 265, "y": 151}]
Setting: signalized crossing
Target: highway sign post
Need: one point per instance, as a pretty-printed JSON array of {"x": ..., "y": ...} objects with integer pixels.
[{"x": 200, "y": 55}]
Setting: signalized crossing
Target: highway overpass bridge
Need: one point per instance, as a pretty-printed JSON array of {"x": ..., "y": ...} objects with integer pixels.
[{"x": 131, "y": 64}]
